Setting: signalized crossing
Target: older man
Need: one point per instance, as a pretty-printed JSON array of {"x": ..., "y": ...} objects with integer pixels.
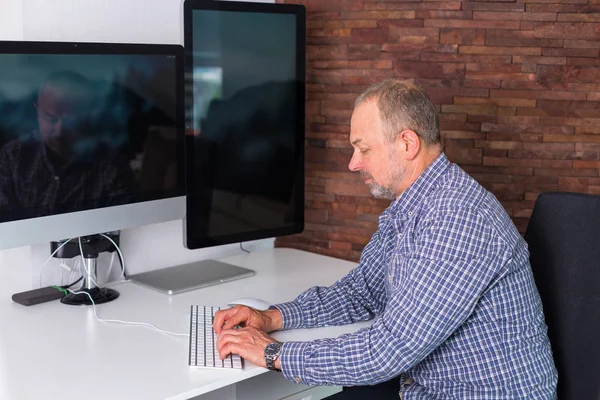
[{"x": 446, "y": 278}]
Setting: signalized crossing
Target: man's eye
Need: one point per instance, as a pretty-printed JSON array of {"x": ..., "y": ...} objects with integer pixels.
[{"x": 364, "y": 151}]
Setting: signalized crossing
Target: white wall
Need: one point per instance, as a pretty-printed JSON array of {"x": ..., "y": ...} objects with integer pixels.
[{"x": 127, "y": 21}]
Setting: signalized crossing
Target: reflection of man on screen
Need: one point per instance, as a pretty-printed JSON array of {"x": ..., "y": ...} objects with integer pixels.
[{"x": 62, "y": 166}]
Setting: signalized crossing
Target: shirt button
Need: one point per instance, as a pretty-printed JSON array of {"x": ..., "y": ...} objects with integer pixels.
[
  {"x": 390, "y": 278},
  {"x": 56, "y": 178},
  {"x": 297, "y": 380}
]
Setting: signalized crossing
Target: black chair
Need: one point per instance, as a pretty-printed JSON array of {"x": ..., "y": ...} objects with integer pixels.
[{"x": 564, "y": 243}]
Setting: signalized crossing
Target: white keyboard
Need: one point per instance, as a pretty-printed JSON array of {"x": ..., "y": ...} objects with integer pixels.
[{"x": 203, "y": 341}]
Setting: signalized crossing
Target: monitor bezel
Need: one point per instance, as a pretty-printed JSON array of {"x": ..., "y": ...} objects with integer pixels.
[
  {"x": 127, "y": 215},
  {"x": 193, "y": 240}
]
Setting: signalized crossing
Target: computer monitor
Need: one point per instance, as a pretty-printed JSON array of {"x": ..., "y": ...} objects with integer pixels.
[
  {"x": 245, "y": 92},
  {"x": 91, "y": 139}
]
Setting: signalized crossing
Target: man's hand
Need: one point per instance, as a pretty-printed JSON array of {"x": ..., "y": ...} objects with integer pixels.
[
  {"x": 249, "y": 343},
  {"x": 266, "y": 321}
]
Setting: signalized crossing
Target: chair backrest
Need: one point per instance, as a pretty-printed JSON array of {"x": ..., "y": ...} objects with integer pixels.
[{"x": 563, "y": 235}]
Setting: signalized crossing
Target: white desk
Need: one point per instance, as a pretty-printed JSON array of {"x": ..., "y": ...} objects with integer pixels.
[{"x": 55, "y": 351}]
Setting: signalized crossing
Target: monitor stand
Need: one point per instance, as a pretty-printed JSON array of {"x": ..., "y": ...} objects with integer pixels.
[
  {"x": 91, "y": 246},
  {"x": 190, "y": 276},
  {"x": 99, "y": 295}
]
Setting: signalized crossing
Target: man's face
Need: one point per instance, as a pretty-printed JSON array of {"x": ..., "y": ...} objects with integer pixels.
[
  {"x": 377, "y": 159},
  {"x": 61, "y": 120}
]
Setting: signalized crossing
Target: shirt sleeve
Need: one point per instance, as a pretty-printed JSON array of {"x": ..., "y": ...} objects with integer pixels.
[
  {"x": 450, "y": 266},
  {"x": 358, "y": 296}
]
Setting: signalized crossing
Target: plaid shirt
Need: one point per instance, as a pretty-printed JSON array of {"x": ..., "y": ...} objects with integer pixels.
[{"x": 448, "y": 281}]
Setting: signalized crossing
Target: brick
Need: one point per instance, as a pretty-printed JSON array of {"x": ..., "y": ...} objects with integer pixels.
[
  {"x": 593, "y": 96},
  {"x": 400, "y": 23},
  {"x": 471, "y": 109},
  {"x": 505, "y": 37},
  {"x": 569, "y": 73},
  {"x": 572, "y": 138},
  {"x": 551, "y": 151},
  {"x": 362, "y": 64},
  {"x": 368, "y": 36},
  {"x": 437, "y": 5},
  {"x": 571, "y": 52},
  {"x": 501, "y": 102},
  {"x": 325, "y": 15},
  {"x": 363, "y": 52},
  {"x": 532, "y": 163},
  {"x": 414, "y": 35},
  {"x": 519, "y": 120},
  {"x": 404, "y": 48},
  {"x": 577, "y": 184},
  {"x": 563, "y": 8},
  {"x": 595, "y": 17},
  {"x": 347, "y": 188},
  {"x": 482, "y": 169},
  {"x": 583, "y": 130},
  {"x": 467, "y": 58},
  {"x": 333, "y": 25},
  {"x": 582, "y": 165},
  {"x": 410, "y": 69},
  {"x": 436, "y": 14},
  {"x": 462, "y": 36},
  {"x": 329, "y": 32},
  {"x": 513, "y": 16},
  {"x": 526, "y": 128},
  {"x": 477, "y": 6},
  {"x": 582, "y": 44},
  {"x": 515, "y": 94},
  {"x": 408, "y": 14},
  {"x": 464, "y": 155},
  {"x": 531, "y": 51},
  {"x": 326, "y": 40},
  {"x": 539, "y": 60},
  {"x": 459, "y": 23},
  {"x": 514, "y": 76},
  {"x": 577, "y": 170},
  {"x": 326, "y": 52},
  {"x": 331, "y": 128},
  {"x": 567, "y": 30},
  {"x": 582, "y": 61},
  {"x": 568, "y": 104},
  {"x": 331, "y": 5},
  {"x": 497, "y": 145}
]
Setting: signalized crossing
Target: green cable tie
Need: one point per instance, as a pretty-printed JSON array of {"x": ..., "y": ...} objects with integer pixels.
[{"x": 60, "y": 289}]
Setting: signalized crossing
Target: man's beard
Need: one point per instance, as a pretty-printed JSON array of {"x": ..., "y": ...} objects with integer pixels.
[{"x": 377, "y": 190}]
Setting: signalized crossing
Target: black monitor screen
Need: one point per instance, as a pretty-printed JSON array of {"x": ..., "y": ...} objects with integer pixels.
[
  {"x": 245, "y": 70},
  {"x": 85, "y": 126}
]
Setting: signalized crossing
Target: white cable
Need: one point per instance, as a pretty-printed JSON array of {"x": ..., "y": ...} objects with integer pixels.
[
  {"x": 49, "y": 258},
  {"x": 120, "y": 254},
  {"x": 112, "y": 261},
  {"x": 127, "y": 322}
]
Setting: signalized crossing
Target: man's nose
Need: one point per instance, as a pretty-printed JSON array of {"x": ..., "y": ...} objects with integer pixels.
[{"x": 354, "y": 164}]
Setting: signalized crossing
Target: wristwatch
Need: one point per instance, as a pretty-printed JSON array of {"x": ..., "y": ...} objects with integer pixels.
[{"x": 272, "y": 353}]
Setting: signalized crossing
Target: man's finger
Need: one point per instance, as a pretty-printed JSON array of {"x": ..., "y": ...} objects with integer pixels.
[
  {"x": 230, "y": 348},
  {"x": 229, "y": 336},
  {"x": 220, "y": 317}
]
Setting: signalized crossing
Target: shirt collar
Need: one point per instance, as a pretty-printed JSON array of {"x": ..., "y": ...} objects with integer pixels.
[{"x": 412, "y": 197}]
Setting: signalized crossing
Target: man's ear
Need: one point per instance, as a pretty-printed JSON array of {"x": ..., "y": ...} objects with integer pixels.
[{"x": 410, "y": 143}]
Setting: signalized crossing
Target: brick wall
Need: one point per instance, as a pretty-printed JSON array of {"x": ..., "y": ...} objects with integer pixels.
[{"x": 517, "y": 84}]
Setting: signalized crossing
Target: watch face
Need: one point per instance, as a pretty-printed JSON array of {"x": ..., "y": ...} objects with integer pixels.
[{"x": 273, "y": 349}]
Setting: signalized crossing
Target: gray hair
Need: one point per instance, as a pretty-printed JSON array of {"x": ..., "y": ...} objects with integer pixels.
[{"x": 403, "y": 105}]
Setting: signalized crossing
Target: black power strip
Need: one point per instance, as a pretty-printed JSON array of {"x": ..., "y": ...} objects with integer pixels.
[{"x": 41, "y": 295}]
